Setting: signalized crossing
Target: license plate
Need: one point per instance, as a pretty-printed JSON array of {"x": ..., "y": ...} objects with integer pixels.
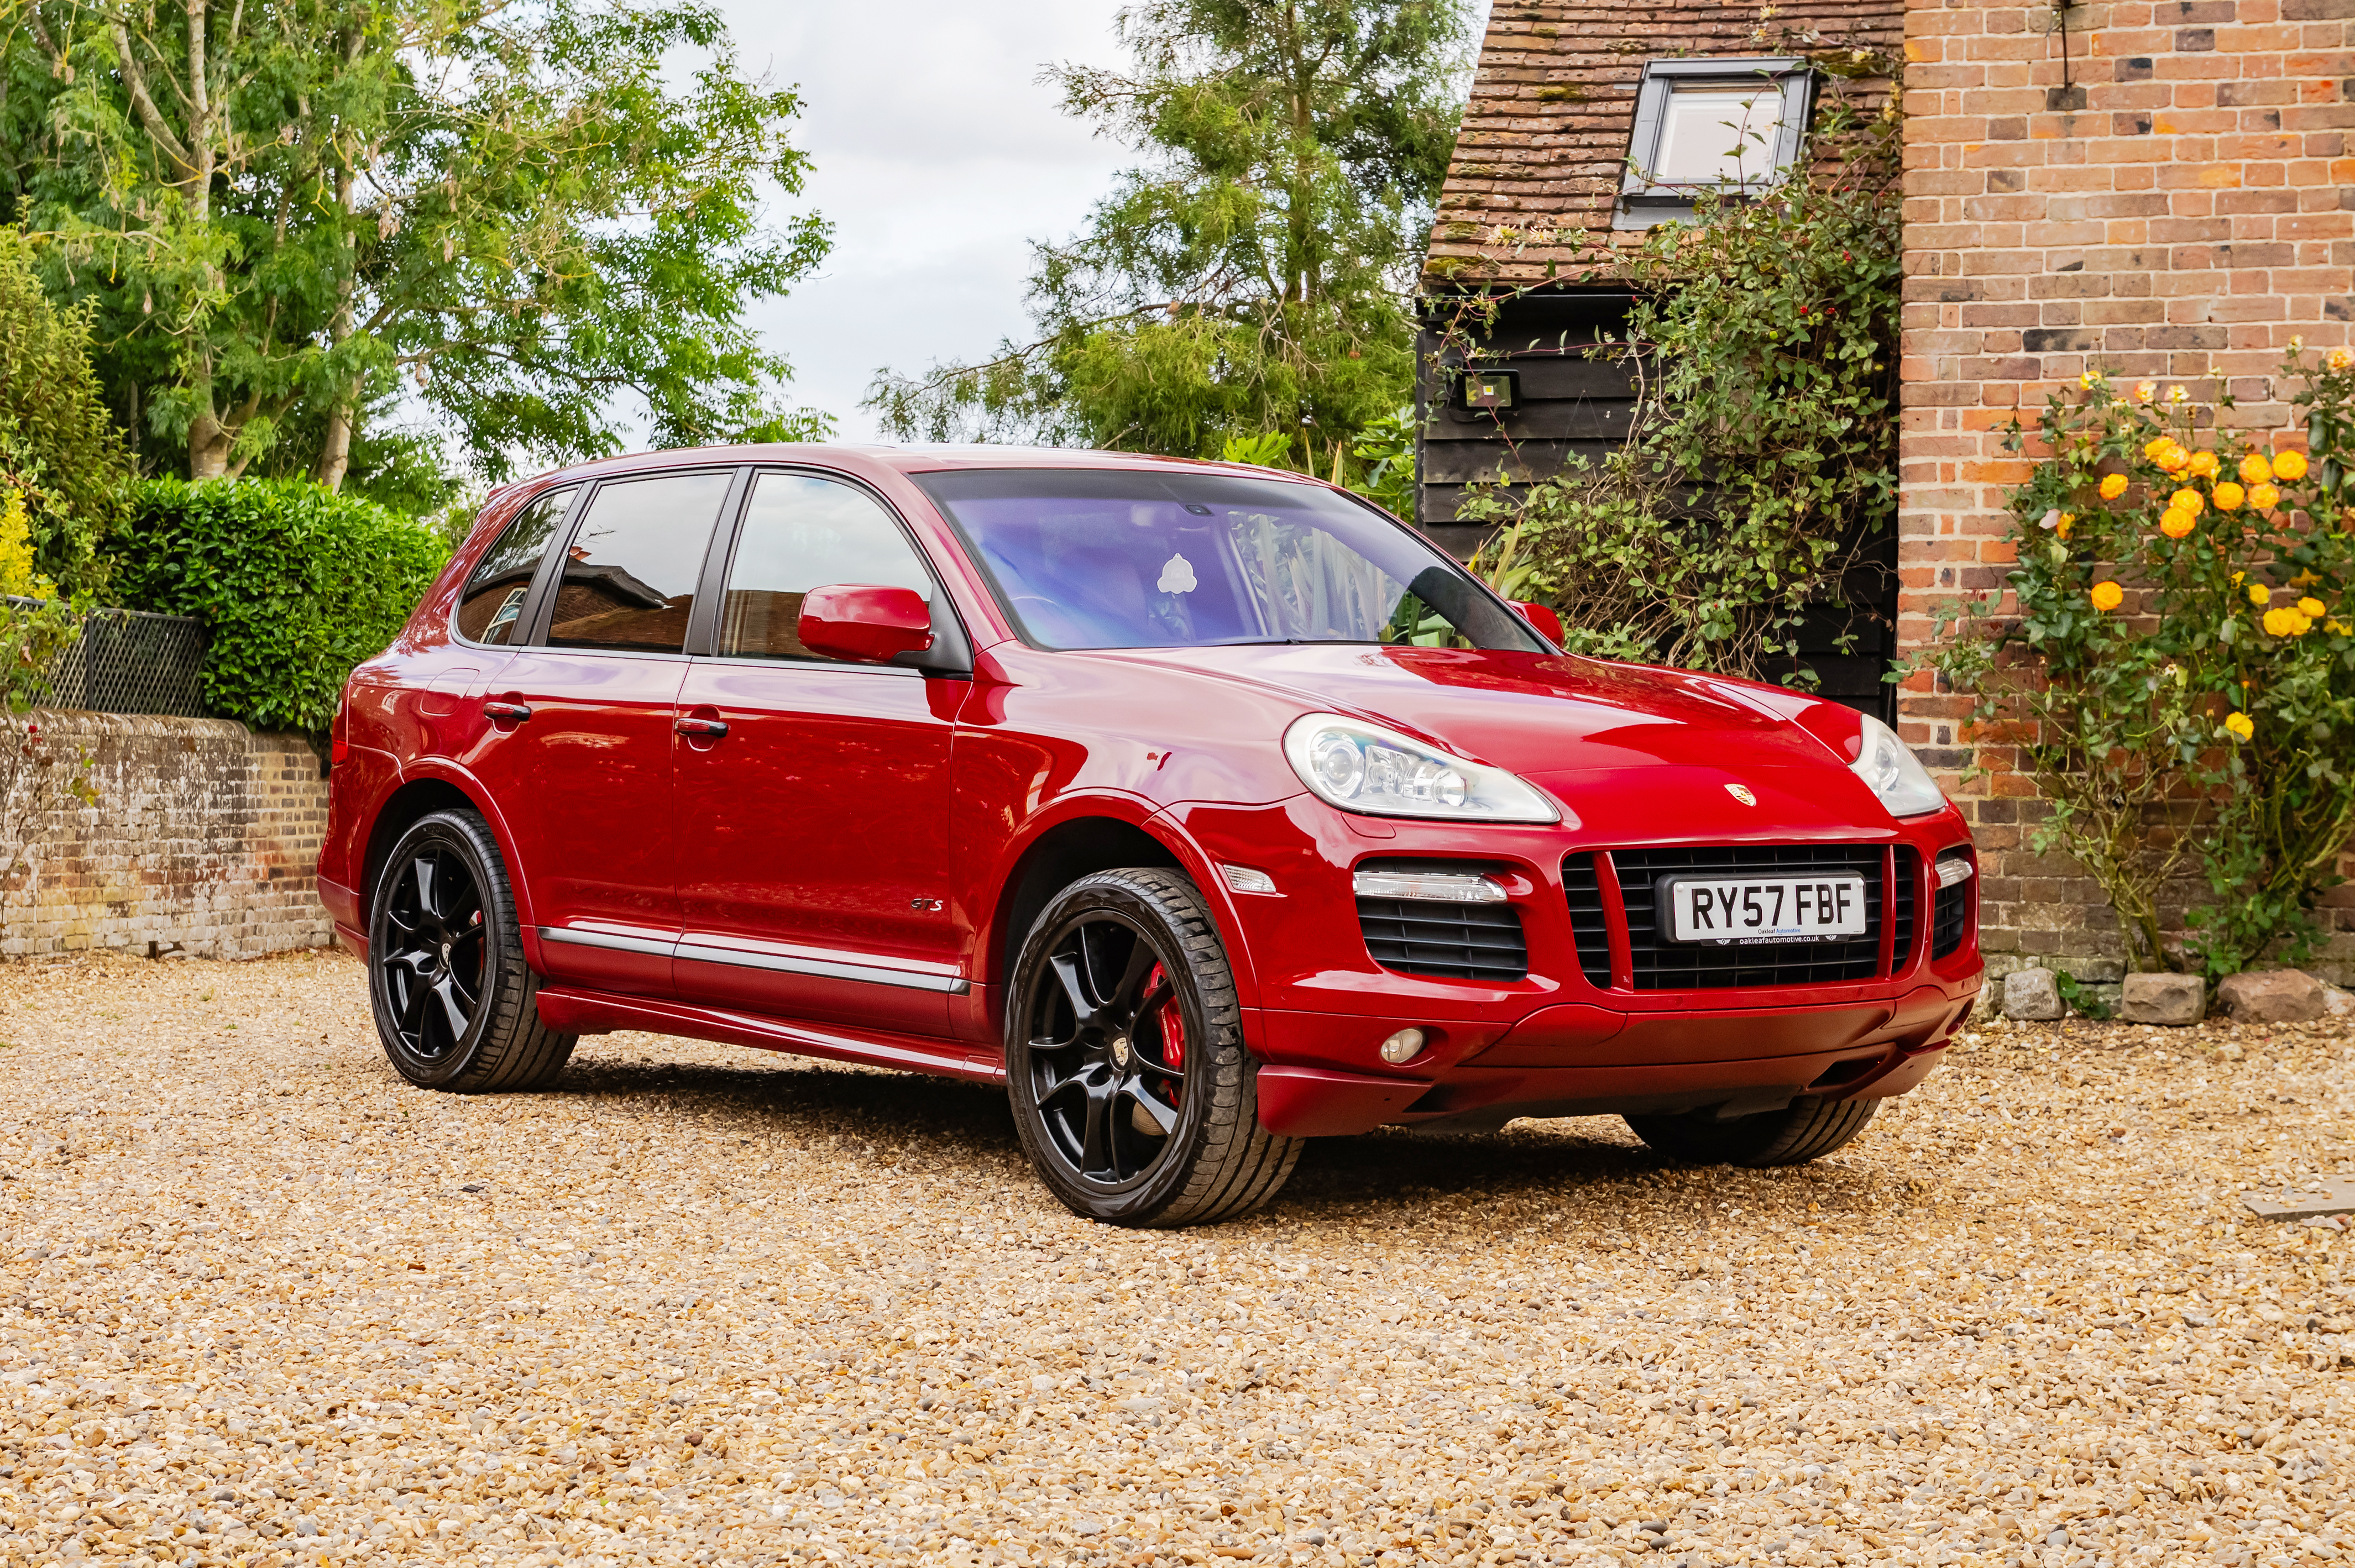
[{"x": 1744, "y": 910}]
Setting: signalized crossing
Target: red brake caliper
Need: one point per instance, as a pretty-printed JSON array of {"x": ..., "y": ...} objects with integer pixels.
[{"x": 1173, "y": 1025}]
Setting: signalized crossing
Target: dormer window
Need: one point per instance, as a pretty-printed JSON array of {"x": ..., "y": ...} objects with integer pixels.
[{"x": 1725, "y": 125}]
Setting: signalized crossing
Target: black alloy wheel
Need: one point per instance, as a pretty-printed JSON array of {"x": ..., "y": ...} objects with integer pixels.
[
  {"x": 1107, "y": 1051},
  {"x": 453, "y": 1000},
  {"x": 1125, "y": 1067},
  {"x": 434, "y": 945}
]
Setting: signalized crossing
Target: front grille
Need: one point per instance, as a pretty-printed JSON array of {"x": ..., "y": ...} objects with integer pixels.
[
  {"x": 1901, "y": 913},
  {"x": 1446, "y": 941},
  {"x": 1587, "y": 928},
  {"x": 1663, "y": 964},
  {"x": 1950, "y": 917}
]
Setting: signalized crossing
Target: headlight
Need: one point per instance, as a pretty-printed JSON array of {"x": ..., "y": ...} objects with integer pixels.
[
  {"x": 1362, "y": 767},
  {"x": 1888, "y": 767}
]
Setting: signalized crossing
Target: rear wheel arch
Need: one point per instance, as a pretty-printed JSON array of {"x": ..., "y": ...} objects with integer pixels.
[{"x": 414, "y": 801}]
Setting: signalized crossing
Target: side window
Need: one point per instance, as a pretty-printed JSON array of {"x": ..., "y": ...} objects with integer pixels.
[
  {"x": 800, "y": 533},
  {"x": 629, "y": 577},
  {"x": 489, "y": 608}
]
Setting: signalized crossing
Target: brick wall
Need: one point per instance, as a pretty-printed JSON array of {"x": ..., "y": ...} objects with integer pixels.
[
  {"x": 2178, "y": 210},
  {"x": 204, "y": 840}
]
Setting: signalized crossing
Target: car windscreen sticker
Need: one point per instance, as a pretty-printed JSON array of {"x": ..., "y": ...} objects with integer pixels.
[
  {"x": 509, "y": 610},
  {"x": 1177, "y": 575}
]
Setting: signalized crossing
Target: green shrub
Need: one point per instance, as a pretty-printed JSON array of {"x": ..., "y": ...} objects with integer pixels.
[
  {"x": 295, "y": 583},
  {"x": 60, "y": 451}
]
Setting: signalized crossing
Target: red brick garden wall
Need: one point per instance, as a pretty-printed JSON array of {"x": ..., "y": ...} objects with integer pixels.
[{"x": 2178, "y": 210}]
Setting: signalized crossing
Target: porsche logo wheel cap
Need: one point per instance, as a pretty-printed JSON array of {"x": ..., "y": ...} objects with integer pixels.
[{"x": 1742, "y": 793}]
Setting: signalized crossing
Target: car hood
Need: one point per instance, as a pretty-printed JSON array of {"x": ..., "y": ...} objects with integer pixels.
[{"x": 1560, "y": 720}]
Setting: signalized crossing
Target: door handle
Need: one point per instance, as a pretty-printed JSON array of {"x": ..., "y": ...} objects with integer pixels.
[
  {"x": 506, "y": 713},
  {"x": 702, "y": 728}
]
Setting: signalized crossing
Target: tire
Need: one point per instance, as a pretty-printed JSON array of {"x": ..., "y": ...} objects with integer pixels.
[
  {"x": 1805, "y": 1129},
  {"x": 1126, "y": 1121},
  {"x": 452, "y": 997}
]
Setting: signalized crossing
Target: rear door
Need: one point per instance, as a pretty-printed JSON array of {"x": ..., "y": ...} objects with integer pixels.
[
  {"x": 580, "y": 753},
  {"x": 813, "y": 849}
]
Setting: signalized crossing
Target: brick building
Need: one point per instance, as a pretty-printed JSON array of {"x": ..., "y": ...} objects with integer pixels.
[{"x": 2162, "y": 190}]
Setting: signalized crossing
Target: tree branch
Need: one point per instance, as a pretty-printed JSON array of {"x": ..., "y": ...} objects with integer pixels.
[{"x": 151, "y": 118}]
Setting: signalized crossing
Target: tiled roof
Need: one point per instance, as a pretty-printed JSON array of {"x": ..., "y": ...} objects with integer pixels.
[{"x": 1536, "y": 174}]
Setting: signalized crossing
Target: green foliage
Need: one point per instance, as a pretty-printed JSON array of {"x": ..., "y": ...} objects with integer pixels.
[
  {"x": 296, "y": 586},
  {"x": 538, "y": 214},
  {"x": 2083, "y": 998},
  {"x": 1761, "y": 459},
  {"x": 2180, "y": 645},
  {"x": 60, "y": 460},
  {"x": 1252, "y": 278}
]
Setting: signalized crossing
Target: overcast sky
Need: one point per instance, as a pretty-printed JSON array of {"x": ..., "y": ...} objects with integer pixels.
[{"x": 940, "y": 155}]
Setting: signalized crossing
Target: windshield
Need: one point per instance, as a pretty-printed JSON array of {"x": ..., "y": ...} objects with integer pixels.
[{"x": 1130, "y": 558}]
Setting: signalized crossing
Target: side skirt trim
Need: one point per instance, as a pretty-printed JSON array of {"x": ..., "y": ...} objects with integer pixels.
[{"x": 826, "y": 969}]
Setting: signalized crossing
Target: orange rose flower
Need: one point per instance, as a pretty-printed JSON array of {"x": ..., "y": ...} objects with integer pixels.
[
  {"x": 2202, "y": 464},
  {"x": 2187, "y": 499},
  {"x": 2176, "y": 523},
  {"x": 2108, "y": 596},
  {"x": 2229, "y": 496},
  {"x": 2255, "y": 470},
  {"x": 2263, "y": 497},
  {"x": 2113, "y": 486},
  {"x": 2290, "y": 466}
]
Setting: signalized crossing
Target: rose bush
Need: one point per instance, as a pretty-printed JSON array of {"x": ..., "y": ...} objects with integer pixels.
[{"x": 2180, "y": 648}]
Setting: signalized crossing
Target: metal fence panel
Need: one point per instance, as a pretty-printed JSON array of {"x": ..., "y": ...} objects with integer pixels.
[{"x": 129, "y": 662}]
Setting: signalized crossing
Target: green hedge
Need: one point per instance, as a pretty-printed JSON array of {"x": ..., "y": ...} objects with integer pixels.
[{"x": 295, "y": 585}]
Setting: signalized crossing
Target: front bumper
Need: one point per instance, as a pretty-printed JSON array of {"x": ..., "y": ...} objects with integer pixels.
[{"x": 1570, "y": 1038}]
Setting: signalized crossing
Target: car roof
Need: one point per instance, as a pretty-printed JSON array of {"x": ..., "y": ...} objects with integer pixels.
[{"x": 910, "y": 458}]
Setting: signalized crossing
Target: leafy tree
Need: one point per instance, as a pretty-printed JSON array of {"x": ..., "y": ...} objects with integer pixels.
[
  {"x": 1251, "y": 277},
  {"x": 62, "y": 467},
  {"x": 278, "y": 209}
]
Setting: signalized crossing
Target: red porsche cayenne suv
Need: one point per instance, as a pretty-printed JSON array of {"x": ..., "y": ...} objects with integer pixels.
[{"x": 1207, "y": 809}]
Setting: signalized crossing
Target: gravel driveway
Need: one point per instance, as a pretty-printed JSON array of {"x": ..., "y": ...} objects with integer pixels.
[{"x": 260, "y": 1302}]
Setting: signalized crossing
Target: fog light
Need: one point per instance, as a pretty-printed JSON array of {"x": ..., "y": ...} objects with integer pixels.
[{"x": 1404, "y": 1047}]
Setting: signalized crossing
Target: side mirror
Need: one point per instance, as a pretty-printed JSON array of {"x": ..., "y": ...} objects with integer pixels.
[
  {"x": 1542, "y": 617},
  {"x": 865, "y": 622}
]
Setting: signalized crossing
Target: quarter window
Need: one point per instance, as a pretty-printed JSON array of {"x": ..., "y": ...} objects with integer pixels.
[
  {"x": 630, "y": 573},
  {"x": 490, "y": 610},
  {"x": 802, "y": 532},
  {"x": 1724, "y": 125}
]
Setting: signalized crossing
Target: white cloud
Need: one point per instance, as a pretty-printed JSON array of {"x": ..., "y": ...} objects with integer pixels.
[{"x": 940, "y": 156}]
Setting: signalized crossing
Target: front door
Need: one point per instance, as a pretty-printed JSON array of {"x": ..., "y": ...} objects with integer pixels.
[
  {"x": 579, "y": 758},
  {"x": 813, "y": 794}
]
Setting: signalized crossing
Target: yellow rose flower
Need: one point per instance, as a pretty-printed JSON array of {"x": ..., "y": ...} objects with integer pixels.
[
  {"x": 2289, "y": 466},
  {"x": 2061, "y": 529},
  {"x": 2187, "y": 499},
  {"x": 2240, "y": 725},
  {"x": 2202, "y": 464},
  {"x": 2339, "y": 359},
  {"x": 2107, "y": 596},
  {"x": 2281, "y": 622},
  {"x": 2178, "y": 395},
  {"x": 2338, "y": 629},
  {"x": 2113, "y": 486},
  {"x": 2090, "y": 379},
  {"x": 2175, "y": 457},
  {"x": 2255, "y": 470},
  {"x": 2312, "y": 608},
  {"x": 2263, "y": 497},
  {"x": 2258, "y": 592},
  {"x": 2176, "y": 522},
  {"x": 2229, "y": 496},
  {"x": 2146, "y": 390}
]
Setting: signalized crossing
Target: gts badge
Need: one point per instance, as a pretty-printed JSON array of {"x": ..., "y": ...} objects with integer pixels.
[{"x": 926, "y": 905}]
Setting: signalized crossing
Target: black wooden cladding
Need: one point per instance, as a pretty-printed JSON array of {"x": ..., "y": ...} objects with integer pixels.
[{"x": 1575, "y": 407}]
